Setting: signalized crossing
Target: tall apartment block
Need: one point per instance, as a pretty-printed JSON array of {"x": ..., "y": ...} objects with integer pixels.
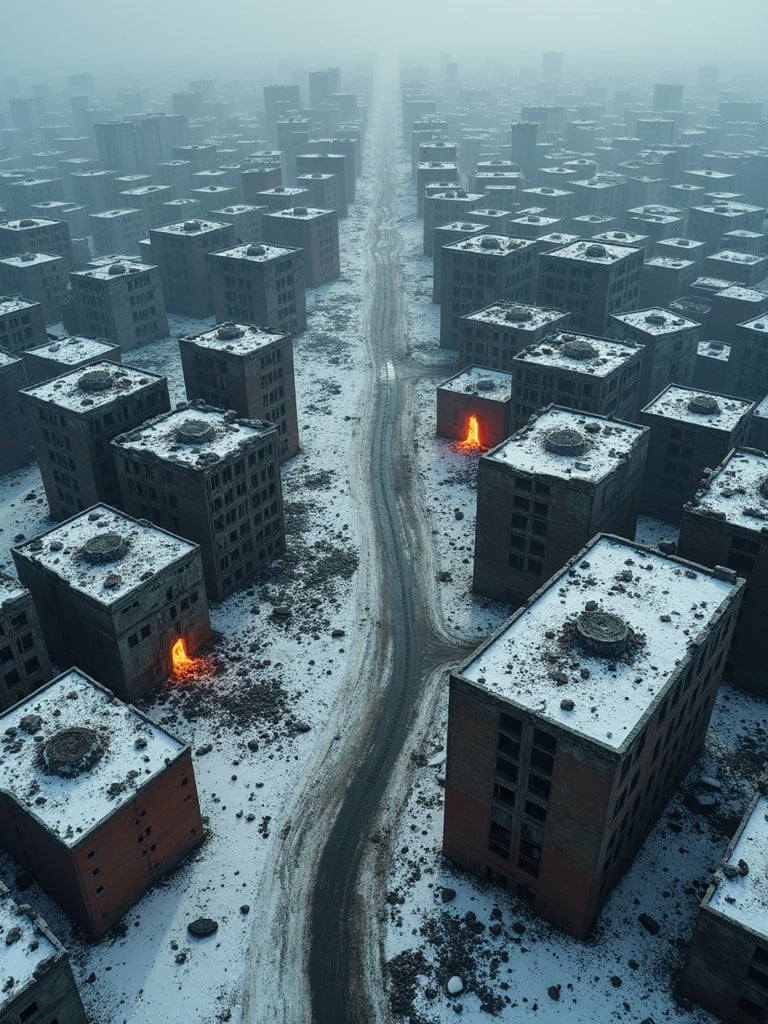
[
  {"x": 22, "y": 324},
  {"x": 180, "y": 252},
  {"x": 72, "y": 419},
  {"x": 670, "y": 344},
  {"x": 748, "y": 364},
  {"x": 24, "y": 662},
  {"x": 119, "y": 805},
  {"x": 248, "y": 369},
  {"x": 64, "y": 355},
  {"x": 493, "y": 336},
  {"x": 559, "y": 761},
  {"x": 247, "y": 221},
  {"x": 43, "y": 987},
  {"x": 712, "y": 371},
  {"x": 724, "y": 524},
  {"x": 121, "y": 301},
  {"x": 322, "y": 190},
  {"x": 328, "y": 163},
  {"x": 710, "y": 222},
  {"x": 96, "y": 189},
  {"x": 15, "y": 449},
  {"x": 740, "y": 267},
  {"x": 732, "y": 306},
  {"x": 590, "y": 280},
  {"x": 260, "y": 284},
  {"x": 35, "y": 234},
  {"x": 216, "y": 480},
  {"x": 446, "y": 208},
  {"x": 664, "y": 279},
  {"x": 316, "y": 232},
  {"x": 480, "y": 270},
  {"x": 690, "y": 431},
  {"x": 726, "y": 968},
  {"x": 545, "y": 491},
  {"x": 117, "y": 231},
  {"x": 444, "y": 235},
  {"x": 37, "y": 276},
  {"x": 576, "y": 371},
  {"x": 150, "y": 200}
]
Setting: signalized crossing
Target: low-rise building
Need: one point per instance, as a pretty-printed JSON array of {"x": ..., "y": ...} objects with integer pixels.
[
  {"x": 248, "y": 369},
  {"x": 690, "y": 432},
  {"x": 475, "y": 394},
  {"x": 35, "y": 234},
  {"x": 121, "y": 301},
  {"x": 213, "y": 478},
  {"x": 573, "y": 725},
  {"x": 315, "y": 232},
  {"x": 546, "y": 490},
  {"x": 117, "y": 231},
  {"x": 97, "y": 801},
  {"x": 71, "y": 420},
  {"x": 577, "y": 371},
  {"x": 260, "y": 284}
]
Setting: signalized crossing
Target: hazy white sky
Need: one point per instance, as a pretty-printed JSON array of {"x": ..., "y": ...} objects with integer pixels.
[{"x": 43, "y": 38}]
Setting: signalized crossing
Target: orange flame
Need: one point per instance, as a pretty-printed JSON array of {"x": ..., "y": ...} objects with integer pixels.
[
  {"x": 472, "y": 442},
  {"x": 181, "y": 660}
]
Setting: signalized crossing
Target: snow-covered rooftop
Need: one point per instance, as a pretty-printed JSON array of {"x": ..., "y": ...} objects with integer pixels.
[
  {"x": 594, "y": 252},
  {"x": 283, "y": 190},
  {"x": 581, "y": 353},
  {"x": 73, "y": 551},
  {"x": 736, "y": 291},
  {"x": 699, "y": 408},
  {"x": 732, "y": 256},
  {"x": 123, "y": 211},
  {"x": 113, "y": 271},
  {"x": 743, "y": 898},
  {"x": 24, "y": 223},
  {"x": 655, "y": 321},
  {"x": 145, "y": 190},
  {"x": 516, "y": 316},
  {"x": 14, "y": 304},
  {"x": 757, "y": 323},
  {"x": 491, "y": 385},
  {"x": 197, "y": 226},
  {"x": 300, "y": 213},
  {"x": 714, "y": 350},
  {"x": 592, "y": 447},
  {"x": 738, "y": 491},
  {"x": 93, "y": 387},
  {"x": 196, "y": 436},
  {"x": 120, "y": 751},
  {"x": 30, "y": 259},
  {"x": 73, "y": 350},
  {"x": 240, "y": 339},
  {"x": 534, "y": 218},
  {"x": 728, "y": 209},
  {"x": 462, "y": 225},
  {"x": 670, "y": 262},
  {"x": 24, "y": 957},
  {"x": 662, "y": 604},
  {"x": 258, "y": 252},
  {"x": 7, "y": 360},
  {"x": 492, "y": 245}
]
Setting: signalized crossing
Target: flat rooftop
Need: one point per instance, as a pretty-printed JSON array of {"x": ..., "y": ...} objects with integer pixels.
[
  {"x": 714, "y": 350},
  {"x": 593, "y": 252},
  {"x": 31, "y": 259},
  {"x": 195, "y": 437},
  {"x": 736, "y": 291},
  {"x": 664, "y": 604},
  {"x": 743, "y": 899},
  {"x": 699, "y": 408},
  {"x": 120, "y": 751},
  {"x": 73, "y": 350},
  {"x": 25, "y": 223},
  {"x": 8, "y": 360},
  {"x": 196, "y": 226},
  {"x": 490, "y": 385},
  {"x": 492, "y": 245},
  {"x": 258, "y": 252},
  {"x": 592, "y": 446},
  {"x": 669, "y": 263},
  {"x": 114, "y": 271},
  {"x": 93, "y": 387},
  {"x": 738, "y": 491},
  {"x": 516, "y": 316},
  {"x": 580, "y": 353},
  {"x": 655, "y": 321},
  {"x": 732, "y": 256},
  {"x": 142, "y": 550},
  {"x": 123, "y": 211},
  {"x": 462, "y": 225},
  {"x": 14, "y": 304},
  {"x": 10, "y": 590},
  {"x": 240, "y": 339},
  {"x": 23, "y": 960}
]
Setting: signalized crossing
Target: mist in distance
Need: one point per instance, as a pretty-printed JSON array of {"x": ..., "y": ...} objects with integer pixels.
[{"x": 43, "y": 39}]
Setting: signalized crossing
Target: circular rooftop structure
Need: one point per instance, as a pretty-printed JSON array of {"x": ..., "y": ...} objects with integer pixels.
[
  {"x": 656, "y": 319},
  {"x": 115, "y": 269},
  {"x": 71, "y": 752},
  {"x": 488, "y": 242},
  {"x": 595, "y": 251},
  {"x": 485, "y": 384},
  {"x": 704, "y": 405},
  {"x": 229, "y": 332},
  {"x": 95, "y": 380},
  {"x": 763, "y": 488},
  {"x": 518, "y": 316},
  {"x": 195, "y": 432},
  {"x": 191, "y": 225},
  {"x": 103, "y": 548},
  {"x": 255, "y": 250},
  {"x": 578, "y": 348},
  {"x": 565, "y": 441},
  {"x": 602, "y": 633}
]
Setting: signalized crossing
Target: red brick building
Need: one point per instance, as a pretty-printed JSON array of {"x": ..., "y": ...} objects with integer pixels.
[
  {"x": 120, "y": 805},
  {"x": 22, "y": 325},
  {"x": 24, "y": 662},
  {"x": 480, "y": 393},
  {"x": 64, "y": 355},
  {"x": 669, "y": 347},
  {"x": 180, "y": 252},
  {"x": 260, "y": 284},
  {"x": 559, "y": 761}
]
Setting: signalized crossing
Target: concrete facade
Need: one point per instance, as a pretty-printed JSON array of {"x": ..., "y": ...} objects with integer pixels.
[
  {"x": 22, "y": 324},
  {"x": 670, "y": 345},
  {"x": 24, "y": 662},
  {"x": 120, "y": 301},
  {"x": 260, "y": 284},
  {"x": 37, "y": 276},
  {"x": 316, "y": 232},
  {"x": 180, "y": 252},
  {"x": 15, "y": 448}
]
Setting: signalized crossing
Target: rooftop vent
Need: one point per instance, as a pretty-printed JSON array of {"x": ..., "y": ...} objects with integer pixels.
[
  {"x": 518, "y": 315},
  {"x": 27, "y": 257},
  {"x": 95, "y": 380},
  {"x": 619, "y": 234},
  {"x": 104, "y": 547},
  {"x": 255, "y": 250},
  {"x": 760, "y": 326},
  {"x": 26, "y": 223},
  {"x": 194, "y": 432},
  {"x": 228, "y": 332},
  {"x": 579, "y": 348},
  {"x": 71, "y": 752},
  {"x": 300, "y": 211},
  {"x": 704, "y": 405},
  {"x": 565, "y": 441},
  {"x": 191, "y": 225},
  {"x": 115, "y": 269},
  {"x": 595, "y": 251},
  {"x": 601, "y": 633},
  {"x": 488, "y": 242},
  {"x": 656, "y": 319},
  {"x": 721, "y": 207},
  {"x": 485, "y": 384}
]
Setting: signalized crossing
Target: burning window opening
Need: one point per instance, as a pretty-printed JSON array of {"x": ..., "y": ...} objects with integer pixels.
[{"x": 472, "y": 443}]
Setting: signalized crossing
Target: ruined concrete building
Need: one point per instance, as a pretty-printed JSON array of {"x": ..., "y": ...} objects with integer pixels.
[
  {"x": 315, "y": 232},
  {"x": 247, "y": 369},
  {"x": 97, "y": 802},
  {"x": 39, "y": 277},
  {"x": 180, "y": 252},
  {"x": 572, "y": 726},
  {"x": 64, "y": 355},
  {"x": 22, "y": 325},
  {"x": 726, "y": 523},
  {"x": 494, "y": 335},
  {"x": 72, "y": 419},
  {"x": 121, "y": 301},
  {"x": 447, "y": 234},
  {"x": 545, "y": 491},
  {"x": 213, "y": 478},
  {"x": 260, "y": 284},
  {"x": 669, "y": 347},
  {"x": 474, "y": 406}
]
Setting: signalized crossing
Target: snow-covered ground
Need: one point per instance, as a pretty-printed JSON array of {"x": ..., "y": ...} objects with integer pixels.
[
  {"x": 256, "y": 712},
  {"x": 511, "y": 963}
]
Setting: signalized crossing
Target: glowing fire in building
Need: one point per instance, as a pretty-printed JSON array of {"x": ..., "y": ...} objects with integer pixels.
[
  {"x": 181, "y": 660},
  {"x": 472, "y": 442}
]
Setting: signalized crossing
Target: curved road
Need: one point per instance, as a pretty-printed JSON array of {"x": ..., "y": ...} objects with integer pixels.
[{"x": 413, "y": 649}]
